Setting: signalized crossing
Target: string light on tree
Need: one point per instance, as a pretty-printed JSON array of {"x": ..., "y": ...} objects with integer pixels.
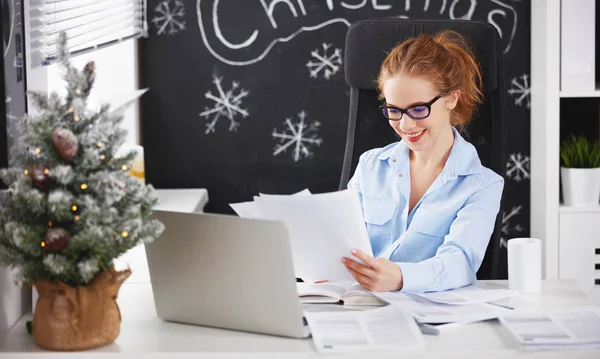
[
  {"x": 26, "y": 172},
  {"x": 124, "y": 168},
  {"x": 102, "y": 157},
  {"x": 74, "y": 208},
  {"x": 37, "y": 150},
  {"x": 99, "y": 144},
  {"x": 83, "y": 186}
]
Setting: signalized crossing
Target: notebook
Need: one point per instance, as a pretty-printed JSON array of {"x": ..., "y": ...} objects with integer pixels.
[{"x": 347, "y": 293}]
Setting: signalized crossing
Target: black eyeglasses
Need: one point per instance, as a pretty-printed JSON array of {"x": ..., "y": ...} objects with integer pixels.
[{"x": 417, "y": 112}]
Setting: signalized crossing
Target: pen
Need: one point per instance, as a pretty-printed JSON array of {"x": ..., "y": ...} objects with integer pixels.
[
  {"x": 501, "y": 305},
  {"x": 428, "y": 329}
]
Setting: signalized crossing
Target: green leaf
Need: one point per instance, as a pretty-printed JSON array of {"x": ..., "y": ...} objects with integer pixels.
[{"x": 580, "y": 152}]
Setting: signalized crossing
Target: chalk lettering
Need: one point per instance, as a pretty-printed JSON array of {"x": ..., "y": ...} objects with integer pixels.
[
  {"x": 383, "y": 7},
  {"x": 269, "y": 9},
  {"x": 261, "y": 40},
  {"x": 219, "y": 34},
  {"x": 468, "y": 15},
  {"x": 354, "y": 7}
]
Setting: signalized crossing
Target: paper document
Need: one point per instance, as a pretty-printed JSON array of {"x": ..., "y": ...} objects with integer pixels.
[
  {"x": 426, "y": 311},
  {"x": 570, "y": 328},
  {"x": 376, "y": 329},
  {"x": 246, "y": 209},
  {"x": 467, "y": 295},
  {"x": 250, "y": 209},
  {"x": 304, "y": 192},
  {"x": 323, "y": 228}
]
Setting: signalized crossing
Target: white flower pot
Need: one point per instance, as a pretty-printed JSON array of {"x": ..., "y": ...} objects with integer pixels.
[{"x": 580, "y": 186}]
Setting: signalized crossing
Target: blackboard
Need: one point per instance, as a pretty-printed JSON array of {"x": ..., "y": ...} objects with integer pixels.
[{"x": 249, "y": 96}]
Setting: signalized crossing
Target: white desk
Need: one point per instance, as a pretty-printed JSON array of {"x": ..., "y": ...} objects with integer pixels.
[
  {"x": 143, "y": 332},
  {"x": 182, "y": 200}
]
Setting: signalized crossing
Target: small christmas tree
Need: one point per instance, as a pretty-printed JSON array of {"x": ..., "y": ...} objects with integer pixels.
[{"x": 71, "y": 207}]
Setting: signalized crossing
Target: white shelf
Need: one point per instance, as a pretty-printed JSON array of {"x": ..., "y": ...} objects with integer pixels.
[
  {"x": 570, "y": 94},
  {"x": 570, "y": 209}
]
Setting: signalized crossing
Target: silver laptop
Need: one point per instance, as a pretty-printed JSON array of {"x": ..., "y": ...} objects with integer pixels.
[{"x": 227, "y": 272}]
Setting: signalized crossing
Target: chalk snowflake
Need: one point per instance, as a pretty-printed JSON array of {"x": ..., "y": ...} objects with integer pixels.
[
  {"x": 226, "y": 104},
  {"x": 169, "y": 17},
  {"x": 299, "y": 135},
  {"x": 517, "y": 167},
  {"x": 521, "y": 88},
  {"x": 507, "y": 227},
  {"x": 325, "y": 63}
]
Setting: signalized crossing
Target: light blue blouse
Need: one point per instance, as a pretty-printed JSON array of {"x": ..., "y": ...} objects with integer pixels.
[{"x": 440, "y": 244}]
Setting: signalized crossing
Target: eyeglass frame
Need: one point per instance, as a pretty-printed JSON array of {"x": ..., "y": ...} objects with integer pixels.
[{"x": 405, "y": 111}]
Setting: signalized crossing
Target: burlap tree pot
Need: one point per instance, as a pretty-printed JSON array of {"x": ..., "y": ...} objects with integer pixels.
[{"x": 78, "y": 318}]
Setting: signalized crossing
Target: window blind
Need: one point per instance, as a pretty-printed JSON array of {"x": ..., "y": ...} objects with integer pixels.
[{"x": 88, "y": 24}]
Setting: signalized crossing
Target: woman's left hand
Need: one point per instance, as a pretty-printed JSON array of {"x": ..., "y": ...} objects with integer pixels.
[{"x": 378, "y": 275}]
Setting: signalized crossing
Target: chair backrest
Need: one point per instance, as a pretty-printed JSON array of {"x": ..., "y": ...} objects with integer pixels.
[{"x": 367, "y": 44}]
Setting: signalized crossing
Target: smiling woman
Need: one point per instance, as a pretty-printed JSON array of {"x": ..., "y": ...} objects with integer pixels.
[{"x": 432, "y": 232}]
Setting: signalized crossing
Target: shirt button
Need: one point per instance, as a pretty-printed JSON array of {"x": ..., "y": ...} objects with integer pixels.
[
  {"x": 393, "y": 160},
  {"x": 399, "y": 174}
]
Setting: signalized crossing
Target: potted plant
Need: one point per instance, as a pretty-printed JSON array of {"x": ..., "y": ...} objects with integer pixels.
[
  {"x": 580, "y": 171},
  {"x": 71, "y": 209}
]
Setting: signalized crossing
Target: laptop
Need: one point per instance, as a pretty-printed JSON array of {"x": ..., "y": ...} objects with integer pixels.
[{"x": 226, "y": 272}]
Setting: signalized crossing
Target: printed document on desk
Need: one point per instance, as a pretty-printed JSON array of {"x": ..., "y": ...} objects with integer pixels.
[
  {"x": 467, "y": 295},
  {"x": 376, "y": 329},
  {"x": 428, "y": 312},
  {"x": 565, "y": 329},
  {"x": 323, "y": 228}
]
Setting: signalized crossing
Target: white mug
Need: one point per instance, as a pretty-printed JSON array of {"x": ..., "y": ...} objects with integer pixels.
[{"x": 525, "y": 265}]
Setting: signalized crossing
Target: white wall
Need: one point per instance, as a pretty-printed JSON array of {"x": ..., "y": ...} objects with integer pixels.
[
  {"x": 14, "y": 301},
  {"x": 116, "y": 75}
]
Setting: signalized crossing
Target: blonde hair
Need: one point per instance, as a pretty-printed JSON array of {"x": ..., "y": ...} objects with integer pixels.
[{"x": 445, "y": 60}]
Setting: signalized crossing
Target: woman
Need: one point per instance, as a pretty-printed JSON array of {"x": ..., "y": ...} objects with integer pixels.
[{"x": 429, "y": 204}]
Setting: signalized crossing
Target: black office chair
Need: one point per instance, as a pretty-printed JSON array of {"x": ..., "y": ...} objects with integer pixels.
[{"x": 367, "y": 44}]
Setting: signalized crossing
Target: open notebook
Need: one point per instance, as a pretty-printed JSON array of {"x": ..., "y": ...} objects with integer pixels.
[{"x": 347, "y": 293}]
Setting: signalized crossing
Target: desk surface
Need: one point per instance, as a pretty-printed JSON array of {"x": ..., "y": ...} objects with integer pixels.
[{"x": 143, "y": 331}]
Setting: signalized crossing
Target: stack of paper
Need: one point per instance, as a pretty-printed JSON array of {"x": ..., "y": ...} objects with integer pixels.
[
  {"x": 387, "y": 328},
  {"x": 323, "y": 228},
  {"x": 566, "y": 329},
  {"x": 426, "y": 311},
  {"x": 467, "y": 295}
]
